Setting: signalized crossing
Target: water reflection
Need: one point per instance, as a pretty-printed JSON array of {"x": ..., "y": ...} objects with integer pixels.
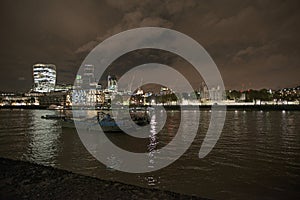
[
  {"x": 43, "y": 139},
  {"x": 152, "y": 181},
  {"x": 257, "y": 155},
  {"x": 152, "y": 142}
]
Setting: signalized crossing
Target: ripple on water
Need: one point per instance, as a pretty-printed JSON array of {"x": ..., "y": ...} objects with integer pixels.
[{"x": 257, "y": 154}]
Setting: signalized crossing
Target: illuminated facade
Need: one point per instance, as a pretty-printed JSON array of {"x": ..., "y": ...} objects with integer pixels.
[
  {"x": 44, "y": 77},
  {"x": 112, "y": 83},
  {"x": 86, "y": 79}
]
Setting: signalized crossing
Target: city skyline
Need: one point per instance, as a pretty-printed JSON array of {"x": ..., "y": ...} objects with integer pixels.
[{"x": 255, "y": 44}]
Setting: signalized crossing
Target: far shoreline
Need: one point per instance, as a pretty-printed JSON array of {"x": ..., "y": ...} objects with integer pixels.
[{"x": 263, "y": 107}]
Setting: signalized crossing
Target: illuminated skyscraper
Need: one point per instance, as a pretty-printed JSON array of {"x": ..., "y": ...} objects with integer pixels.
[
  {"x": 112, "y": 83},
  {"x": 44, "y": 77},
  {"x": 88, "y": 76}
]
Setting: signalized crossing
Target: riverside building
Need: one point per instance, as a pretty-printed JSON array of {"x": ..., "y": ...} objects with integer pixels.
[{"x": 44, "y": 77}]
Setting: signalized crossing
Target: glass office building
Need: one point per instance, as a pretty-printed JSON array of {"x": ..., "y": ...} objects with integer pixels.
[{"x": 44, "y": 77}]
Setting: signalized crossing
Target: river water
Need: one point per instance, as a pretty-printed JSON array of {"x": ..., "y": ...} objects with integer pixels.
[{"x": 256, "y": 157}]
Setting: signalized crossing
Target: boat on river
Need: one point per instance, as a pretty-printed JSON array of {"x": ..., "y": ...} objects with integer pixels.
[
  {"x": 89, "y": 125},
  {"x": 53, "y": 117},
  {"x": 106, "y": 122}
]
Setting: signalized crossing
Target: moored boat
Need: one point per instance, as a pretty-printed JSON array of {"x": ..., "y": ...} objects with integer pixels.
[
  {"x": 53, "y": 117},
  {"x": 107, "y": 122}
]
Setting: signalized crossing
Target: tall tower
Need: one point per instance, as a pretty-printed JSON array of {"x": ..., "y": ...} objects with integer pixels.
[
  {"x": 88, "y": 76},
  {"x": 112, "y": 83},
  {"x": 44, "y": 77}
]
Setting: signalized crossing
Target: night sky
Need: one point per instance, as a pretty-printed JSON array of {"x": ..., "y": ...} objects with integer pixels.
[{"x": 255, "y": 44}]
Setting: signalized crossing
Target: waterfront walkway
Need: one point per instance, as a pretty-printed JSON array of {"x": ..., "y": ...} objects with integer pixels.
[{"x": 24, "y": 180}]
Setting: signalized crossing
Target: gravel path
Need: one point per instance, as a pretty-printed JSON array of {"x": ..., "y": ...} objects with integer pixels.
[{"x": 24, "y": 180}]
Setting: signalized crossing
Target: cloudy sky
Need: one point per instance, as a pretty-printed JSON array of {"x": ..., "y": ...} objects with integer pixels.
[{"x": 255, "y": 44}]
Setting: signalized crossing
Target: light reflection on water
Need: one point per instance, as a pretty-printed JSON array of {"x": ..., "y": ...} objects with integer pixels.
[
  {"x": 257, "y": 155},
  {"x": 44, "y": 139}
]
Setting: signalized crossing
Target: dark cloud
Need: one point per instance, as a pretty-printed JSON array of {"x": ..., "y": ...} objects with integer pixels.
[{"x": 255, "y": 43}]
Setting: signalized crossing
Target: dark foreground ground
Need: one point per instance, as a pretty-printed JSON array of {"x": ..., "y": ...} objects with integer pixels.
[{"x": 24, "y": 180}]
